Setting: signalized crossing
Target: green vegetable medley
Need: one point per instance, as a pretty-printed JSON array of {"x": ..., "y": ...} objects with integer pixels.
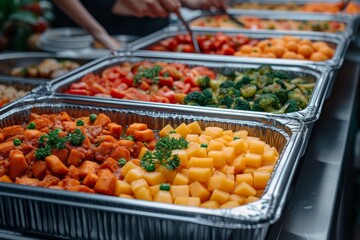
[{"x": 263, "y": 89}]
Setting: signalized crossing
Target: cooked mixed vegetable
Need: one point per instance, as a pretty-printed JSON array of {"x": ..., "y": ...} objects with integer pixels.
[
  {"x": 250, "y": 22},
  {"x": 262, "y": 89},
  {"x": 48, "y": 68},
  {"x": 186, "y": 165}
]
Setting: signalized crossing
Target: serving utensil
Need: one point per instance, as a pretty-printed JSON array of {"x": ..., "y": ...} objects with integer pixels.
[{"x": 191, "y": 33}]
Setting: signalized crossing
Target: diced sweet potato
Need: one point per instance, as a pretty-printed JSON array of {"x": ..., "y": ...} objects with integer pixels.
[
  {"x": 87, "y": 167},
  {"x": 55, "y": 165},
  {"x": 120, "y": 152},
  {"x": 28, "y": 181},
  {"x": 41, "y": 123},
  {"x": 135, "y": 127},
  {"x": 145, "y": 135},
  {"x": 39, "y": 169},
  {"x": 80, "y": 188},
  {"x": 110, "y": 164},
  {"x": 5, "y": 178},
  {"x": 115, "y": 129},
  {"x": 6, "y": 147},
  {"x": 90, "y": 180},
  {"x": 106, "y": 182},
  {"x": 30, "y": 134},
  {"x": 102, "y": 120},
  {"x": 74, "y": 173},
  {"x": 18, "y": 164},
  {"x": 12, "y": 131},
  {"x": 62, "y": 154},
  {"x": 49, "y": 180},
  {"x": 75, "y": 157}
]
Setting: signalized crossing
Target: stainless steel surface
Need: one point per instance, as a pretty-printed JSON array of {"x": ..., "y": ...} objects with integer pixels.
[
  {"x": 79, "y": 215},
  {"x": 340, "y": 43},
  {"x": 190, "y": 32},
  {"x": 313, "y": 204},
  {"x": 309, "y": 114},
  {"x": 351, "y": 27}
]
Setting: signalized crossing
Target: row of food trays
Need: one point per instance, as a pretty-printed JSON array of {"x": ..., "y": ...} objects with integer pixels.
[{"x": 217, "y": 135}]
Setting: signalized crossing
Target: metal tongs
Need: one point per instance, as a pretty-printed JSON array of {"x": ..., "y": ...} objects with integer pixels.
[
  {"x": 192, "y": 34},
  {"x": 231, "y": 17},
  {"x": 345, "y": 4}
]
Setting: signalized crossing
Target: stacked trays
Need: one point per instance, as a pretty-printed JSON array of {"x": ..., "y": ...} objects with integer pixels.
[{"x": 76, "y": 215}]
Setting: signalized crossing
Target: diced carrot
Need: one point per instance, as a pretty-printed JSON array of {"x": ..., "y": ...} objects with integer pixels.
[
  {"x": 120, "y": 152},
  {"x": 103, "y": 150},
  {"x": 64, "y": 116},
  {"x": 12, "y": 131},
  {"x": 110, "y": 164},
  {"x": 115, "y": 129},
  {"x": 39, "y": 168},
  {"x": 28, "y": 181},
  {"x": 80, "y": 188},
  {"x": 144, "y": 135},
  {"x": 87, "y": 167},
  {"x": 106, "y": 182},
  {"x": 55, "y": 165},
  {"x": 62, "y": 154},
  {"x": 5, "y": 178},
  {"x": 90, "y": 180},
  {"x": 75, "y": 157},
  {"x": 102, "y": 120},
  {"x": 69, "y": 126},
  {"x": 33, "y": 116},
  {"x": 135, "y": 126},
  {"x": 74, "y": 172},
  {"x": 18, "y": 164},
  {"x": 105, "y": 138},
  {"x": 30, "y": 156},
  {"x": 50, "y": 180},
  {"x": 30, "y": 134},
  {"x": 41, "y": 123},
  {"x": 2, "y": 137}
]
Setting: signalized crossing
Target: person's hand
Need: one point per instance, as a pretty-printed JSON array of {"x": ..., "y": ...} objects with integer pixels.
[
  {"x": 204, "y": 4},
  {"x": 103, "y": 39},
  {"x": 145, "y": 8}
]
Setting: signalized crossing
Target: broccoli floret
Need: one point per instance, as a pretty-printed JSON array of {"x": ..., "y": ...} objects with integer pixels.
[
  {"x": 248, "y": 90},
  {"x": 292, "y": 106},
  {"x": 241, "y": 104},
  {"x": 203, "y": 82},
  {"x": 230, "y": 73},
  {"x": 276, "y": 89},
  {"x": 267, "y": 102},
  {"x": 226, "y": 101},
  {"x": 297, "y": 95},
  {"x": 76, "y": 138},
  {"x": 195, "y": 98},
  {"x": 222, "y": 92},
  {"x": 227, "y": 84},
  {"x": 241, "y": 81},
  {"x": 279, "y": 74},
  {"x": 289, "y": 86},
  {"x": 208, "y": 94},
  {"x": 264, "y": 69}
]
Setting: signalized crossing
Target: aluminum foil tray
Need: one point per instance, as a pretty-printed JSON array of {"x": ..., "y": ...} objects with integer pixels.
[
  {"x": 93, "y": 216},
  {"x": 309, "y": 114},
  {"x": 340, "y": 43},
  {"x": 348, "y": 21}
]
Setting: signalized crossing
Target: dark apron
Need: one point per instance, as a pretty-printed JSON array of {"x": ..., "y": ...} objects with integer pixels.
[{"x": 114, "y": 24}]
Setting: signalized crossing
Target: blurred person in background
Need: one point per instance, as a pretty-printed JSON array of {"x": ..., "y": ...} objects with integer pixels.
[{"x": 103, "y": 18}]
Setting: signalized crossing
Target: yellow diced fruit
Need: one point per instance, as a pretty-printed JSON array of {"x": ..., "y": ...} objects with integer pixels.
[
  {"x": 194, "y": 150},
  {"x": 168, "y": 174},
  {"x": 127, "y": 167},
  {"x": 219, "y": 196},
  {"x": 221, "y": 183},
  {"x": 227, "y": 138},
  {"x": 240, "y": 145},
  {"x": 227, "y": 170},
  {"x": 245, "y": 190},
  {"x": 218, "y": 173},
  {"x": 250, "y": 139},
  {"x": 221, "y": 140},
  {"x": 154, "y": 190},
  {"x": 199, "y": 174},
  {"x": 229, "y": 154},
  {"x": 198, "y": 190},
  {"x": 259, "y": 193},
  {"x": 122, "y": 187},
  {"x": 214, "y": 132},
  {"x": 231, "y": 177},
  {"x": 261, "y": 179},
  {"x": 142, "y": 152},
  {"x": 137, "y": 184},
  {"x": 182, "y": 154},
  {"x": 166, "y": 130},
  {"x": 218, "y": 158},
  {"x": 251, "y": 199},
  {"x": 126, "y": 196},
  {"x": 228, "y": 133},
  {"x": 183, "y": 130},
  {"x": 230, "y": 204},
  {"x": 163, "y": 196},
  {"x": 143, "y": 194},
  {"x": 134, "y": 174},
  {"x": 253, "y": 160},
  {"x": 203, "y": 140},
  {"x": 188, "y": 201},
  {"x": 180, "y": 179},
  {"x": 154, "y": 178},
  {"x": 200, "y": 162},
  {"x": 175, "y": 135},
  {"x": 214, "y": 145},
  {"x": 243, "y": 134},
  {"x": 257, "y": 147},
  {"x": 185, "y": 171},
  {"x": 179, "y": 191},
  {"x": 208, "y": 138},
  {"x": 269, "y": 157},
  {"x": 245, "y": 177},
  {"x": 239, "y": 164},
  {"x": 194, "y": 127},
  {"x": 210, "y": 204},
  {"x": 268, "y": 169},
  {"x": 192, "y": 138},
  {"x": 234, "y": 197},
  {"x": 249, "y": 170}
]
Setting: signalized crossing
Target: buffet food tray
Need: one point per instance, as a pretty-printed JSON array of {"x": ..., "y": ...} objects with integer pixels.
[
  {"x": 340, "y": 43},
  {"x": 308, "y": 115},
  {"x": 269, "y": 15},
  {"x": 90, "y": 216}
]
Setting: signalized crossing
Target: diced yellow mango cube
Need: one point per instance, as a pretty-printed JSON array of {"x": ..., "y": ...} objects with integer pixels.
[
  {"x": 122, "y": 187},
  {"x": 185, "y": 171},
  {"x": 126, "y": 196},
  {"x": 221, "y": 140},
  {"x": 181, "y": 179},
  {"x": 261, "y": 179},
  {"x": 250, "y": 139},
  {"x": 218, "y": 173},
  {"x": 183, "y": 130},
  {"x": 240, "y": 145},
  {"x": 207, "y": 137},
  {"x": 127, "y": 167},
  {"x": 219, "y": 196},
  {"x": 182, "y": 154},
  {"x": 143, "y": 194},
  {"x": 257, "y": 147},
  {"x": 179, "y": 191},
  {"x": 229, "y": 154},
  {"x": 154, "y": 190},
  {"x": 203, "y": 140},
  {"x": 243, "y": 134},
  {"x": 230, "y": 204},
  {"x": 245, "y": 190},
  {"x": 253, "y": 160},
  {"x": 214, "y": 146},
  {"x": 259, "y": 193},
  {"x": 166, "y": 130},
  {"x": 251, "y": 199},
  {"x": 227, "y": 138},
  {"x": 214, "y": 132},
  {"x": 192, "y": 138},
  {"x": 154, "y": 178},
  {"x": 142, "y": 152},
  {"x": 194, "y": 128},
  {"x": 168, "y": 174},
  {"x": 221, "y": 183},
  {"x": 228, "y": 133},
  {"x": 227, "y": 170},
  {"x": 234, "y": 197},
  {"x": 269, "y": 156},
  {"x": 163, "y": 196},
  {"x": 199, "y": 174},
  {"x": 245, "y": 177},
  {"x": 199, "y": 190},
  {"x": 249, "y": 170},
  {"x": 134, "y": 174},
  {"x": 268, "y": 169},
  {"x": 239, "y": 164},
  {"x": 218, "y": 158},
  {"x": 137, "y": 184},
  {"x": 200, "y": 162},
  {"x": 210, "y": 204},
  {"x": 188, "y": 201}
]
